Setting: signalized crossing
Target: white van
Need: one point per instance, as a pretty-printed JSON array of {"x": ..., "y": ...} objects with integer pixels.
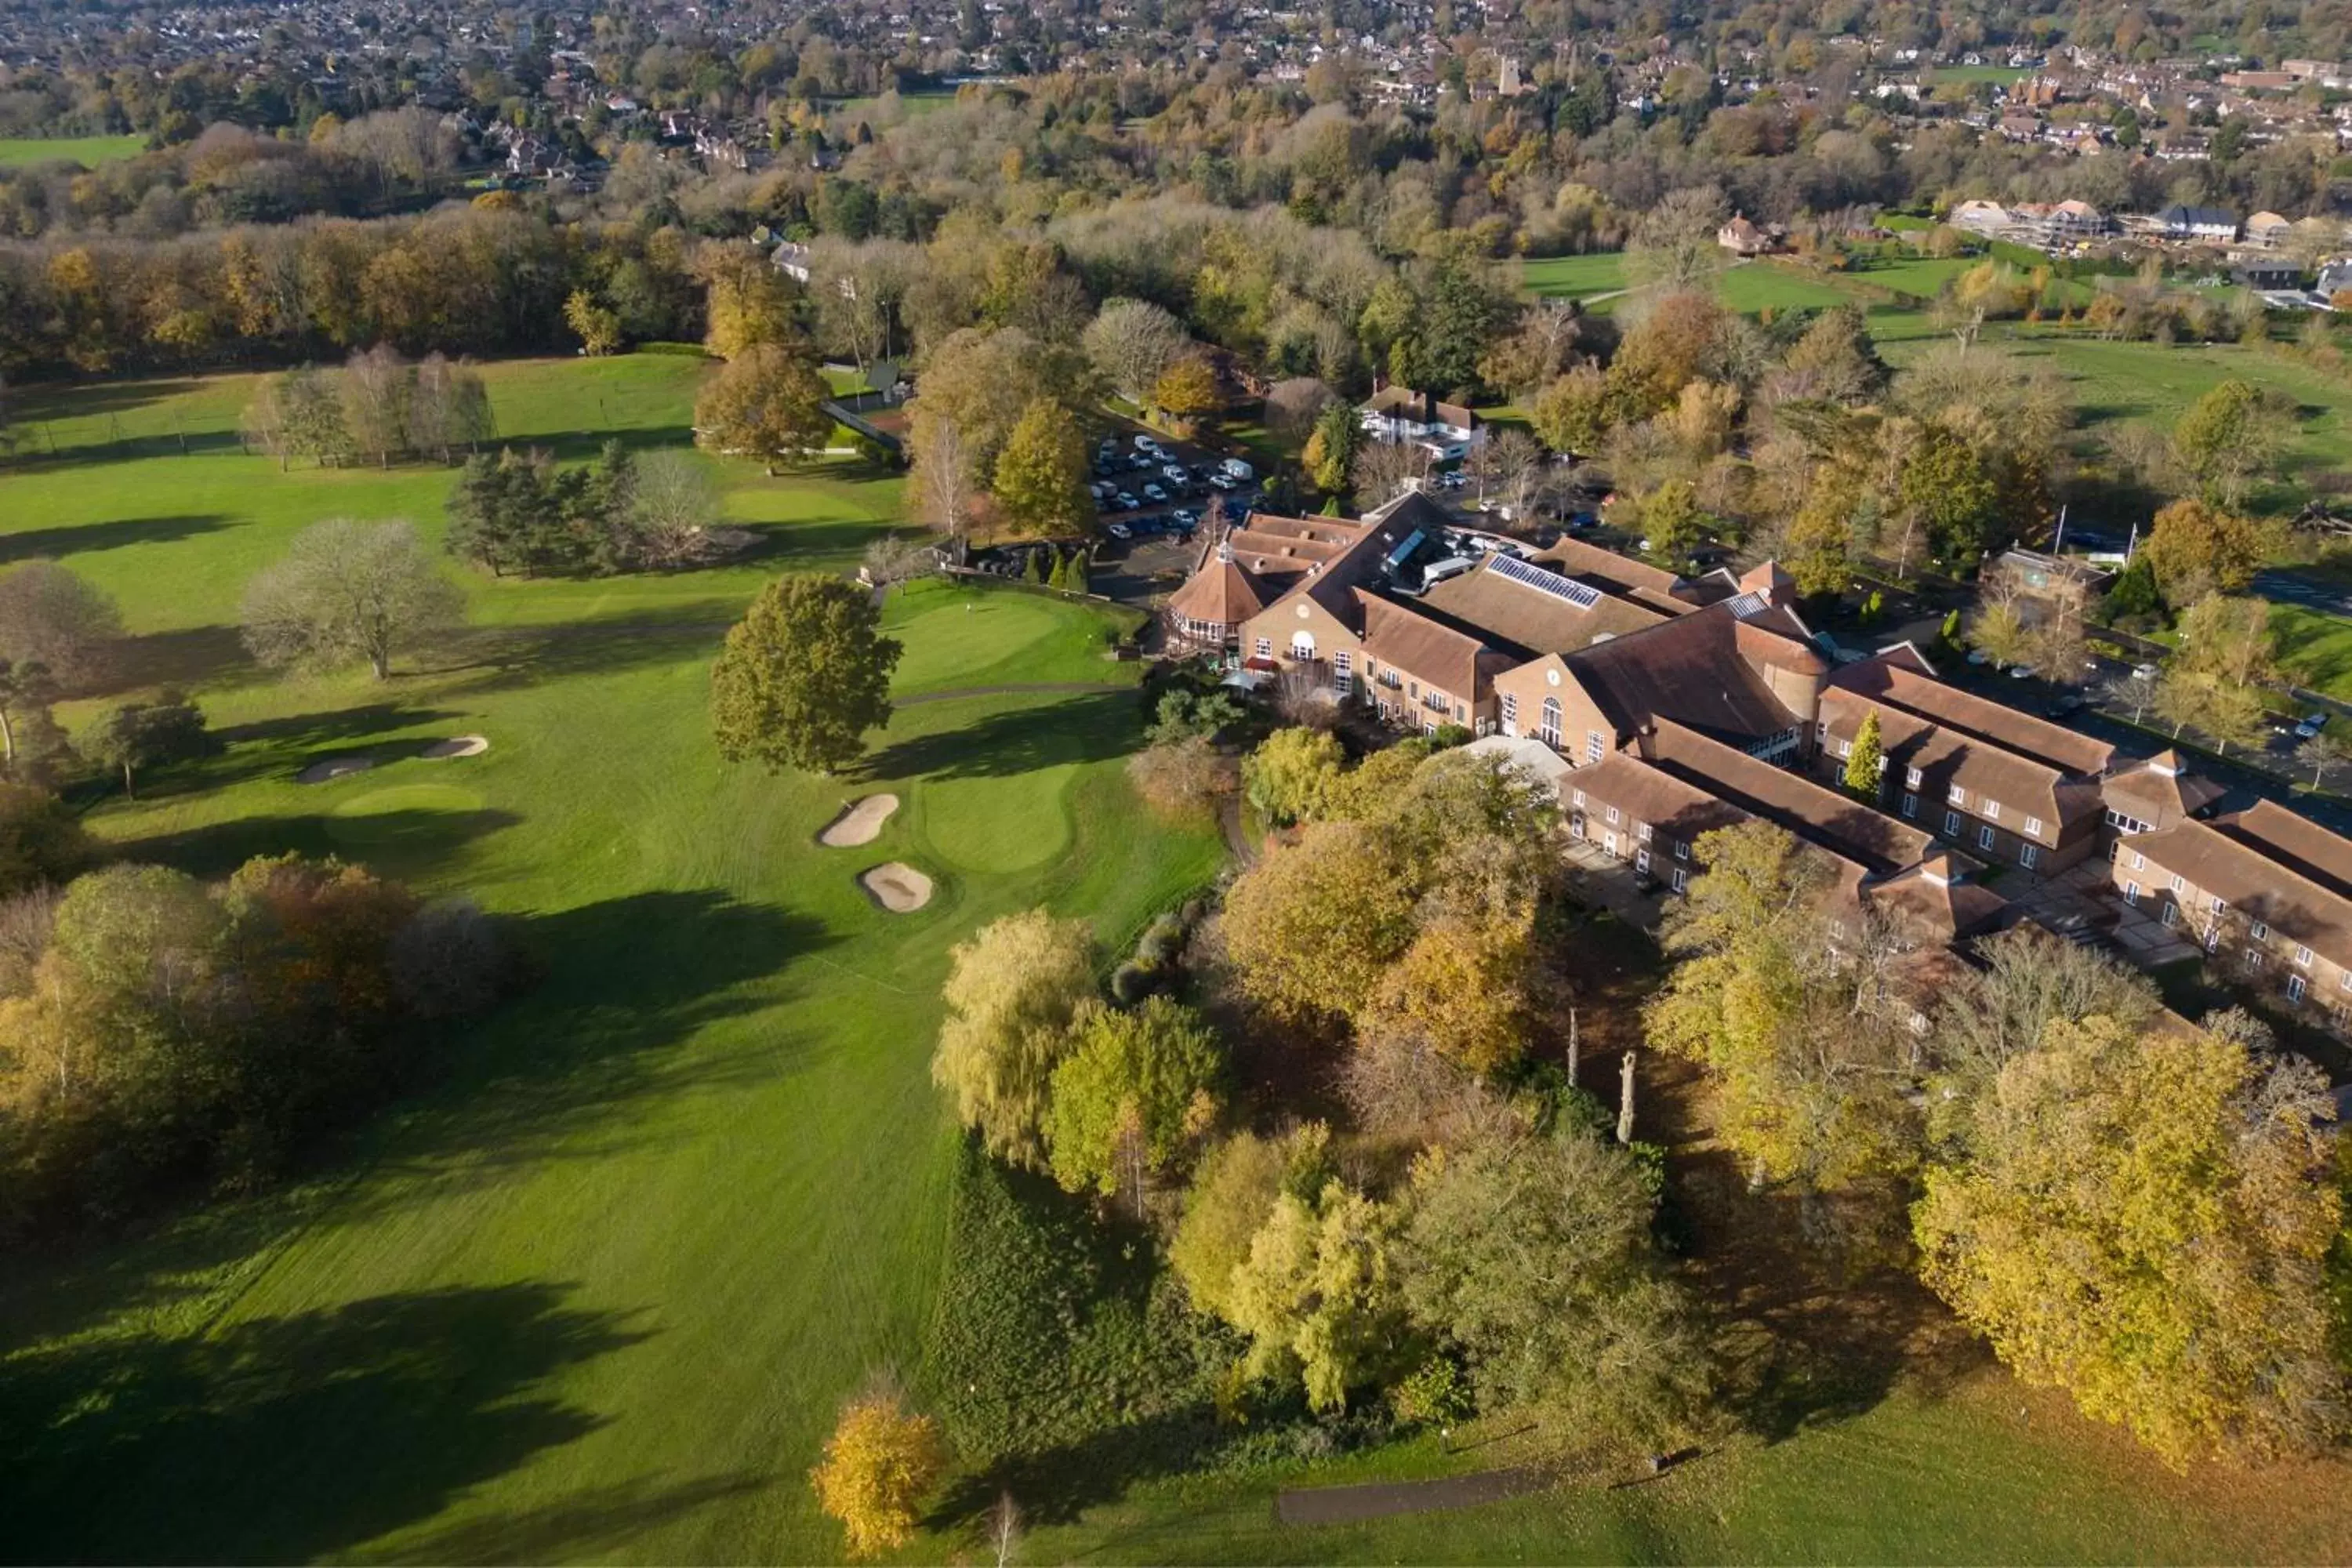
[{"x": 1238, "y": 469}]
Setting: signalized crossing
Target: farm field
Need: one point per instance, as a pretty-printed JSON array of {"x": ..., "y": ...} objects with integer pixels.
[
  {"x": 87, "y": 151},
  {"x": 607, "y": 1283},
  {"x": 1573, "y": 276}
]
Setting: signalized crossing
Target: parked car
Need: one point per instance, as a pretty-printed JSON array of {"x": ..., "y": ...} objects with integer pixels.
[
  {"x": 1173, "y": 471},
  {"x": 1978, "y": 656},
  {"x": 1120, "y": 531},
  {"x": 1183, "y": 517},
  {"x": 1224, "y": 482},
  {"x": 2144, "y": 673},
  {"x": 1124, "y": 502},
  {"x": 1236, "y": 468},
  {"x": 1145, "y": 444},
  {"x": 2021, "y": 672},
  {"x": 1154, "y": 494},
  {"x": 2311, "y": 726}
]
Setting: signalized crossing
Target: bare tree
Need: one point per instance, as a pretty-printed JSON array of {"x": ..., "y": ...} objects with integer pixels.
[
  {"x": 1293, "y": 406},
  {"x": 376, "y": 388},
  {"x": 448, "y": 407},
  {"x": 942, "y": 479},
  {"x": 1386, "y": 470},
  {"x": 1004, "y": 1529},
  {"x": 1302, "y": 698},
  {"x": 1133, "y": 342},
  {"x": 890, "y": 561},
  {"x": 55, "y": 620},
  {"x": 672, "y": 507},
  {"x": 2136, "y": 691},
  {"x": 349, "y": 590},
  {"x": 1673, "y": 245},
  {"x": 2323, "y": 752}
]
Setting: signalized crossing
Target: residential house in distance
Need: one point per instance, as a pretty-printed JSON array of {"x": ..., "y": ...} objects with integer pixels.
[
  {"x": 1982, "y": 217},
  {"x": 1742, "y": 237},
  {"x": 1398, "y": 415},
  {"x": 2216, "y": 226},
  {"x": 2267, "y": 231}
]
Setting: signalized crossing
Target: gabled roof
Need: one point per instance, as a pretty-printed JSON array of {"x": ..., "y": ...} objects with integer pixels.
[
  {"x": 2160, "y": 790},
  {"x": 1689, "y": 671},
  {"x": 1880, "y": 843},
  {"x": 1436, "y": 655},
  {"x": 1652, "y": 586},
  {"x": 2252, "y": 884},
  {"x": 1893, "y": 681},
  {"x": 2295, "y": 841},
  {"x": 2025, "y": 787},
  {"x": 1221, "y": 592},
  {"x": 1529, "y": 619}
]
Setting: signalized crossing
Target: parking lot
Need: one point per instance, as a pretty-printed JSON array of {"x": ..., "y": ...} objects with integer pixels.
[{"x": 1147, "y": 485}]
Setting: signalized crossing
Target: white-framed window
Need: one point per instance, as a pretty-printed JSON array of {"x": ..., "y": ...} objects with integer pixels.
[
  {"x": 2179, "y": 883},
  {"x": 1510, "y": 713},
  {"x": 1343, "y": 671},
  {"x": 1642, "y": 862},
  {"x": 1845, "y": 749},
  {"x": 1910, "y": 806},
  {"x": 2220, "y": 906},
  {"x": 2171, "y": 913},
  {"x": 2262, "y": 931},
  {"x": 1681, "y": 881},
  {"x": 2253, "y": 955},
  {"x": 1992, "y": 811},
  {"x": 2303, "y": 957},
  {"x": 2345, "y": 980},
  {"x": 1911, "y": 778},
  {"x": 1682, "y": 852},
  {"x": 1641, "y": 831},
  {"x": 2139, "y": 861},
  {"x": 2034, "y": 827},
  {"x": 2117, "y": 819},
  {"x": 1822, "y": 732},
  {"x": 2295, "y": 986},
  {"x": 1596, "y": 745},
  {"x": 1609, "y": 841},
  {"x": 1615, "y": 817},
  {"x": 2029, "y": 855},
  {"x": 1958, "y": 796},
  {"x": 1984, "y": 836},
  {"x": 1577, "y": 799},
  {"x": 1265, "y": 647},
  {"x": 2131, "y": 896},
  {"x": 1548, "y": 730},
  {"x": 1951, "y": 822}
]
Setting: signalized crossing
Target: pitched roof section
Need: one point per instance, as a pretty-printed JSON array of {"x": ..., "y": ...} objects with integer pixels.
[
  {"x": 1880, "y": 843},
  {"x": 2024, "y": 786},
  {"x": 2252, "y": 884},
  {"x": 1652, "y": 586},
  {"x": 1530, "y": 619},
  {"x": 2160, "y": 791},
  {"x": 1892, "y": 681},
  {"x": 2293, "y": 841},
  {"x": 1690, "y": 671},
  {"x": 1434, "y": 654},
  {"x": 1220, "y": 592}
]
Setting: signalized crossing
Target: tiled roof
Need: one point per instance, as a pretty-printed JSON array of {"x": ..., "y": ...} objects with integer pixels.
[
  {"x": 1221, "y": 592},
  {"x": 1530, "y": 620},
  {"x": 2023, "y": 787},
  {"x": 2160, "y": 790},
  {"x": 1652, "y": 586},
  {"x": 1436, "y": 655},
  {"x": 2293, "y": 840},
  {"x": 2252, "y": 884},
  {"x": 1881, "y": 844},
  {"x": 1891, "y": 681},
  {"x": 1689, "y": 670}
]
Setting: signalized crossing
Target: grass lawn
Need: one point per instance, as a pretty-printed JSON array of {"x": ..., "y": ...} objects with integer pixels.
[
  {"x": 2003, "y": 75},
  {"x": 1574, "y": 277},
  {"x": 2155, "y": 382},
  {"x": 598, "y": 1294},
  {"x": 2314, "y": 649},
  {"x": 605, "y": 1285},
  {"x": 87, "y": 151}
]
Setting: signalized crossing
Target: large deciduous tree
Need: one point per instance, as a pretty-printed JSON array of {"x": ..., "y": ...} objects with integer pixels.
[
  {"x": 766, "y": 402},
  {"x": 2140, "y": 1217},
  {"x": 1013, "y": 993},
  {"x": 879, "y": 1464},
  {"x": 804, "y": 674},
  {"x": 1138, "y": 1088},
  {"x": 1317, "y": 1295},
  {"x": 139, "y": 735},
  {"x": 1133, "y": 343},
  {"x": 52, "y": 617},
  {"x": 1040, "y": 478},
  {"x": 350, "y": 590}
]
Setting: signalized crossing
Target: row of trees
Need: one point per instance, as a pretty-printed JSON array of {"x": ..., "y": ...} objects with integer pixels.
[
  {"x": 378, "y": 406},
  {"x": 159, "y": 1031},
  {"x": 519, "y": 512},
  {"x": 2128, "y": 1207}
]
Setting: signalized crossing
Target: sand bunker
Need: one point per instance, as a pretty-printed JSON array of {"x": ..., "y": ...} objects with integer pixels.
[
  {"x": 859, "y": 822},
  {"x": 460, "y": 746},
  {"x": 340, "y": 767},
  {"x": 896, "y": 887}
]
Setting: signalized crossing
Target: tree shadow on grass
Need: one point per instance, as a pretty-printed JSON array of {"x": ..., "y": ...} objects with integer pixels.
[
  {"x": 39, "y": 401},
  {"x": 586, "y": 1524},
  {"x": 1086, "y": 728},
  {"x": 404, "y": 843},
  {"x": 189, "y": 657},
  {"x": 56, "y": 543},
  {"x": 624, "y": 987},
  {"x": 287, "y": 1438},
  {"x": 506, "y": 658},
  {"x": 1057, "y": 1485}
]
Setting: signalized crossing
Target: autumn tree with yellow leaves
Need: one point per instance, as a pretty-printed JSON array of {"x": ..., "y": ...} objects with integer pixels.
[{"x": 882, "y": 1461}]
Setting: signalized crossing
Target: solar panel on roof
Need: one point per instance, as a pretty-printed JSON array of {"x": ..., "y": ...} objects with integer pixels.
[
  {"x": 1748, "y": 606},
  {"x": 1529, "y": 576}
]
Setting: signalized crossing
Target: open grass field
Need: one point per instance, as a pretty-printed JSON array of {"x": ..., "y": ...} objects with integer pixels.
[
  {"x": 603, "y": 1287},
  {"x": 2001, "y": 75},
  {"x": 597, "y": 1294},
  {"x": 1573, "y": 276},
  {"x": 87, "y": 151}
]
